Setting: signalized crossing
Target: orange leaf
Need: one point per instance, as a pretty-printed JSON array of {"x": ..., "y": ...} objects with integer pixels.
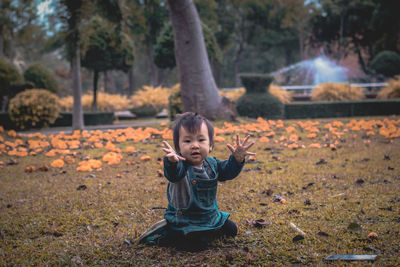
[
  {"x": 263, "y": 139},
  {"x": 129, "y": 149},
  {"x": 145, "y": 158},
  {"x": 315, "y": 145},
  {"x": 30, "y": 168},
  {"x": 58, "y": 163},
  {"x": 12, "y": 133},
  {"x": 311, "y": 135},
  {"x": 219, "y": 139}
]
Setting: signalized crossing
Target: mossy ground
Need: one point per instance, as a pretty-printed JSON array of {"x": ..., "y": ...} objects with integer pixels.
[{"x": 46, "y": 220}]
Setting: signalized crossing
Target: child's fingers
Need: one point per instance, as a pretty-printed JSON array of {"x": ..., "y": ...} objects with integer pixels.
[
  {"x": 249, "y": 145},
  {"x": 231, "y": 148},
  {"x": 166, "y": 150},
  {"x": 165, "y": 143},
  {"x": 245, "y": 139},
  {"x": 250, "y": 154}
]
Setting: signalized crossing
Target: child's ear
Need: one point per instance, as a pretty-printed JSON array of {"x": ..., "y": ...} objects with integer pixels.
[{"x": 211, "y": 148}]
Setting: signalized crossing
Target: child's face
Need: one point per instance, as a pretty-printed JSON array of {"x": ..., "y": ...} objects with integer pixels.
[{"x": 195, "y": 147}]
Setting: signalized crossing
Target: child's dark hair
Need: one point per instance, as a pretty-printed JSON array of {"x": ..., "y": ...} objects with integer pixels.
[{"x": 192, "y": 123}]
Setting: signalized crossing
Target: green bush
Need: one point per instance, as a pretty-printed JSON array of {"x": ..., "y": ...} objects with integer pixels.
[
  {"x": 386, "y": 63},
  {"x": 256, "y": 83},
  {"x": 8, "y": 75},
  {"x": 41, "y": 77},
  {"x": 35, "y": 108},
  {"x": 145, "y": 111},
  {"x": 260, "y": 105},
  {"x": 175, "y": 102}
]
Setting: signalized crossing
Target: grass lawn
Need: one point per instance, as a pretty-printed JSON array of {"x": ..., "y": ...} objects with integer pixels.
[{"x": 339, "y": 178}]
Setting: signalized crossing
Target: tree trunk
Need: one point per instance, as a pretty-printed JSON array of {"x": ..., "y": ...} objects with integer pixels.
[
  {"x": 109, "y": 83},
  {"x": 360, "y": 58},
  {"x": 236, "y": 64},
  {"x": 95, "y": 82},
  {"x": 198, "y": 89},
  {"x": 130, "y": 81},
  {"x": 1, "y": 45},
  {"x": 77, "y": 115},
  {"x": 160, "y": 76}
]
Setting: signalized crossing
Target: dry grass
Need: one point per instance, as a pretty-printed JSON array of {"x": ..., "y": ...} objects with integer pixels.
[{"x": 46, "y": 220}]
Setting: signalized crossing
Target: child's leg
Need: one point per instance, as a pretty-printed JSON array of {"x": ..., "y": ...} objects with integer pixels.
[
  {"x": 194, "y": 241},
  {"x": 172, "y": 239},
  {"x": 229, "y": 229},
  {"x": 197, "y": 241}
]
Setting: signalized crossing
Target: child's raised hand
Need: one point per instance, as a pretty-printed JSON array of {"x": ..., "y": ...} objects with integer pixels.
[
  {"x": 240, "y": 149},
  {"x": 172, "y": 156}
]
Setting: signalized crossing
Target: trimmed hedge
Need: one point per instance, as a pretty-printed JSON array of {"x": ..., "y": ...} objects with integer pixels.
[
  {"x": 65, "y": 119},
  {"x": 260, "y": 105},
  {"x": 301, "y": 110},
  {"x": 89, "y": 118},
  {"x": 255, "y": 82}
]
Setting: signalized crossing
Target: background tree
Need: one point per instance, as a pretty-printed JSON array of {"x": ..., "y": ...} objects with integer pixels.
[
  {"x": 73, "y": 14},
  {"x": 198, "y": 89},
  {"x": 107, "y": 49},
  {"x": 164, "y": 54}
]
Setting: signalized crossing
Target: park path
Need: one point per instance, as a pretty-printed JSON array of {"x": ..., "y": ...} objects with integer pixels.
[{"x": 106, "y": 127}]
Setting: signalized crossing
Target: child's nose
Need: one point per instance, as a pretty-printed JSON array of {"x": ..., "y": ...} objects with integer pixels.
[{"x": 195, "y": 145}]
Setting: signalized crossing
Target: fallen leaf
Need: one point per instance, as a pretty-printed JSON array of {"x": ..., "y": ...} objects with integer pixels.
[
  {"x": 372, "y": 236},
  {"x": 321, "y": 161},
  {"x": 360, "y": 181},
  {"x": 30, "y": 168},
  {"x": 81, "y": 187},
  {"x": 298, "y": 238},
  {"x": 323, "y": 234},
  {"x": 258, "y": 223},
  {"x": 43, "y": 168},
  {"x": 268, "y": 192}
]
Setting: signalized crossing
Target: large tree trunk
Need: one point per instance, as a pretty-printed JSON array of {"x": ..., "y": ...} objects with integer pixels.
[
  {"x": 95, "y": 82},
  {"x": 77, "y": 115},
  {"x": 198, "y": 89}
]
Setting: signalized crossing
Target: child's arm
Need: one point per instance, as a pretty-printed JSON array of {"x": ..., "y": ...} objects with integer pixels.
[
  {"x": 173, "y": 171},
  {"x": 229, "y": 169}
]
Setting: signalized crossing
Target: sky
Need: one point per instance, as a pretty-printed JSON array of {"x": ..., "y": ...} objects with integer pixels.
[{"x": 44, "y": 8}]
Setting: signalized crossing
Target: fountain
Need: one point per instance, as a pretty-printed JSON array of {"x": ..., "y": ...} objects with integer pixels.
[
  {"x": 303, "y": 76},
  {"x": 311, "y": 72}
]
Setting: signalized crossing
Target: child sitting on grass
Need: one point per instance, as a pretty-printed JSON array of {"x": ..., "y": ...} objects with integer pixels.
[{"x": 192, "y": 217}]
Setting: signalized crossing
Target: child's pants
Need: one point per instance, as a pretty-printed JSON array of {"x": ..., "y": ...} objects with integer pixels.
[{"x": 199, "y": 240}]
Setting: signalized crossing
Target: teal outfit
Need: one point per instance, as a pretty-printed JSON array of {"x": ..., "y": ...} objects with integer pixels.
[{"x": 200, "y": 211}]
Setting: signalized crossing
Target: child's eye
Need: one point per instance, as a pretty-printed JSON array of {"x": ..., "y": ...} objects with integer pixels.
[
  {"x": 202, "y": 140},
  {"x": 186, "y": 141}
]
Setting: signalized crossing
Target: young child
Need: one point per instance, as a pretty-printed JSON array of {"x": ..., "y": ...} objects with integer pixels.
[{"x": 192, "y": 217}]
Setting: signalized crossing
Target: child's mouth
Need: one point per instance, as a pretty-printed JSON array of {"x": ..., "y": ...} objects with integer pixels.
[{"x": 195, "y": 154}]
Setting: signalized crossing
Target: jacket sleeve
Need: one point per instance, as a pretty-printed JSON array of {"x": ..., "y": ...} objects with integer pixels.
[
  {"x": 229, "y": 169},
  {"x": 174, "y": 172}
]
